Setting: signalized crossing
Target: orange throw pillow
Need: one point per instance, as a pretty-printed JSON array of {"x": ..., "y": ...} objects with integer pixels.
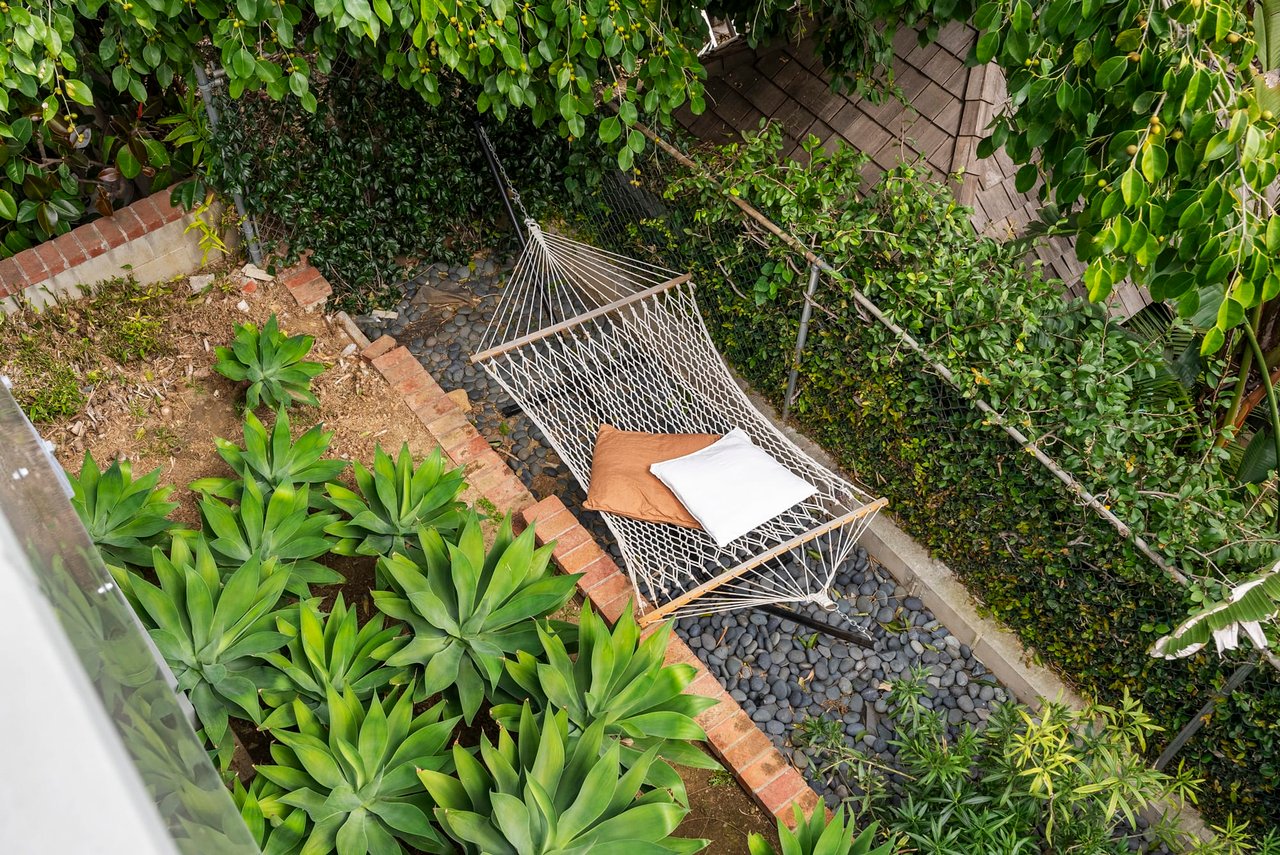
[{"x": 620, "y": 479}]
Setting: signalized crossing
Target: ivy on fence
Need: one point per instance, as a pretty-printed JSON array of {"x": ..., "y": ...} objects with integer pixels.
[{"x": 373, "y": 182}]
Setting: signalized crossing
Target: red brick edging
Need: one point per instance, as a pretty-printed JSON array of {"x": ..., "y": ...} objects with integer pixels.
[{"x": 731, "y": 734}]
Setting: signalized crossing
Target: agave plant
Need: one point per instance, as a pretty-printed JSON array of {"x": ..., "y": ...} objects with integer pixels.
[
  {"x": 281, "y": 527},
  {"x": 394, "y": 501},
  {"x": 328, "y": 651},
  {"x": 820, "y": 836},
  {"x": 549, "y": 791},
  {"x": 212, "y": 631},
  {"x": 619, "y": 681},
  {"x": 273, "y": 364},
  {"x": 354, "y": 777},
  {"x": 124, "y": 517},
  {"x": 467, "y": 609},
  {"x": 272, "y": 459}
]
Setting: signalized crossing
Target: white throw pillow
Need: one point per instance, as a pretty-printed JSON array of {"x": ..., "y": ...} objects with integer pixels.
[{"x": 732, "y": 486}]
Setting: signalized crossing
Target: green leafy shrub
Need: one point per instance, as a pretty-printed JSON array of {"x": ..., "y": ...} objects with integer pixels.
[
  {"x": 272, "y": 363},
  {"x": 468, "y": 608},
  {"x": 211, "y": 630},
  {"x": 354, "y": 777},
  {"x": 620, "y": 681},
  {"x": 396, "y": 499},
  {"x": 333, "y": 651},
  {"x": 548, "y": 791},
  {"x": 353, "y": 181},
  {"x": 124, "y": 517},
  {"x": 819, "y": 836},
  {"x": 1058, "y": 780},
  {"x": 281, "y": 526},
  {"x": 272, "y": 459}
]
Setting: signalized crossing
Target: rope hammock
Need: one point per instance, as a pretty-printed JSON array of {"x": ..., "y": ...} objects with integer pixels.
[{"x": 584, "y": 337}]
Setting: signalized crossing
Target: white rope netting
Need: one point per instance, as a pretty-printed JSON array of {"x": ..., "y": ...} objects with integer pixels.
[{"x": 584, "y": 337}]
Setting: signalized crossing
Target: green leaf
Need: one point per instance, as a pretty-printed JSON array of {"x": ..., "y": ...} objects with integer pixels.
[
  {"x": 1110, "y": 72},
  {"x": 1155, "y": 160},
  {"x": 985, "y": 50},
  {"x": 1259, "y": 459},
  {"x": 1213, "y": 341},
  {"x": 1218, "y": 147},
  {"x": 1198, "y": 91},
  {"x": 79, "y": 92},
  {"x": 1230, "y": 314},
  {"x": 1026, "y": 178},
  {"x": 1022, "y": 16},
  {"x": 128, "y": 164},
  {"x": 610, "y": 129},
  {"x": 8, "y": 208},
  {"x": 1132, "y": 187}
]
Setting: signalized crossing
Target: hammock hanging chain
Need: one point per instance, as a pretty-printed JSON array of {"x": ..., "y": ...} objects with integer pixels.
[{"x": 506, "y": 179}]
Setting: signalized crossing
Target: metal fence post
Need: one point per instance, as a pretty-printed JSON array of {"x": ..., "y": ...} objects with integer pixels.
[
  {"x": 801, "y": 336},
  {"x": 246, "y": 222},
  {"x": 1197, "y": 721}
]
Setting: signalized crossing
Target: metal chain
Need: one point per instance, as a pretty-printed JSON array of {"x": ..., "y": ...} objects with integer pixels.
[{"x": 506, "y": 179}]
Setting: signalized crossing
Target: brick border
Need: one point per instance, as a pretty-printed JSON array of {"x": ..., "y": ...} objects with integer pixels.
[
  {"x": 47, "y": 264},
  {"x": 733, "y": 737}
]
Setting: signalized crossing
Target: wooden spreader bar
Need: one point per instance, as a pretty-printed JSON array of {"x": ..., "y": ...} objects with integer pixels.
[
  {"x": 663, "y": 611},
  {"x": 577, "y": 320}
]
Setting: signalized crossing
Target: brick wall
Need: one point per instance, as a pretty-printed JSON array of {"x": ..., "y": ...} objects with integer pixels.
[{"x": 147, "y": 239}]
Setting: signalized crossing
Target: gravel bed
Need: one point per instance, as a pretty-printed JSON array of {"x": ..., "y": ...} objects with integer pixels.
[{"x": 787, "y": 677}]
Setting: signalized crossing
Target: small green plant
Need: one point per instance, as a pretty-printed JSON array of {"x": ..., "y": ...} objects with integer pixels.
[
  {"x": 1059, "y": 780},
  {"x": 272, "y": 363},
  {"x": 328, "y": 651},
  {"x": 272, "y": 459},
  {"x": 209, "y": 228},
  {"x": 354, "y": 776},
  {"x": 820, "y": 836},
  {"x": 135, "y": 336},
  {"x": 467, "y": 609},
  {"x": 211, "y": 630},
  {"x": 124, "y": 517},
  {"x": 620, "y": 681},
  {"x": 395, "y": 500},
  {"x": 550, "y": 791},
  {"x": 282, "y": 527},
  {"x": 53, "y": 393}
]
